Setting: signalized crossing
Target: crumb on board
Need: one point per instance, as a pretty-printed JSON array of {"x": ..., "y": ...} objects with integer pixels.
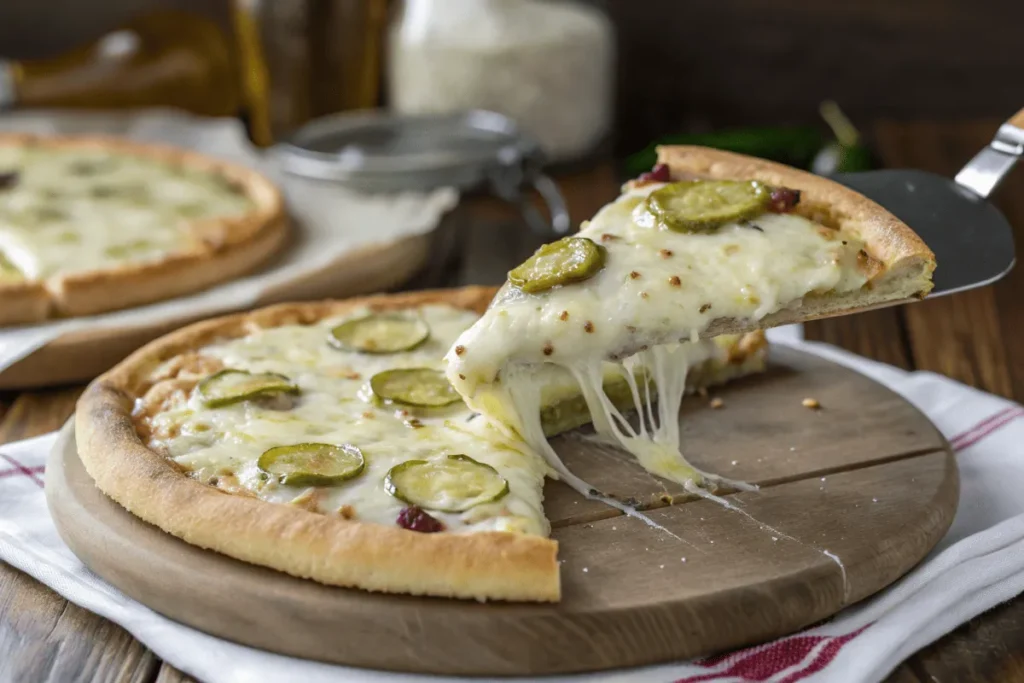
[
  {"x": 811, "y": 403},
  {"x": 716, "y": 403}
]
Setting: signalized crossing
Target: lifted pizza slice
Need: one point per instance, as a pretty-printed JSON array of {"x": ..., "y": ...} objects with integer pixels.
[{"x": 707, "y": 243}]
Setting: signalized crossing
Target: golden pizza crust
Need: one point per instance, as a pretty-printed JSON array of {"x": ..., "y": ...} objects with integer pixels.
[
  {"x": 899, "y": 266},
  {"x": 326, "y": 548},
  {"x": 224, "y": 249}
]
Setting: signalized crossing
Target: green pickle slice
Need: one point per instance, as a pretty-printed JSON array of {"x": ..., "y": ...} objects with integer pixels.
[
  {"x": 419, "y": 387},
  {"x": 380, "y": 333},
  {"x": 312, "y": 464},
  {"x": 570, "y": 259},
  {"x": 703, "y": 205},
  {"x": 234, "y": 386},
  {"x": 453, "y": 484}
]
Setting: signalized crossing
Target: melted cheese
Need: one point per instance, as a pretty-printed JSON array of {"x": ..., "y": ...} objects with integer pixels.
[
  {"x": 70, "y": 211},
  {"x": 335, "y": 407},
  {"x": 658, "y": 292}
]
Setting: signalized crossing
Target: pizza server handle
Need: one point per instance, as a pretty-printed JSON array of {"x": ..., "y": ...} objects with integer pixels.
[{"x": 986, "y": 170}]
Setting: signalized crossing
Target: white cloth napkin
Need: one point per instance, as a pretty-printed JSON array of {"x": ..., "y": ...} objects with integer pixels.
[
  {"x": 330, "y": 221},
  {"x": 979, "y": 564}
]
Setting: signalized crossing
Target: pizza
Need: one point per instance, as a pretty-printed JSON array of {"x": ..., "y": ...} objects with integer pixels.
[
  {"x": 323, "y": 440},
  {"x": 707, "y": 243},
  {"x": 91, "y": 224}
]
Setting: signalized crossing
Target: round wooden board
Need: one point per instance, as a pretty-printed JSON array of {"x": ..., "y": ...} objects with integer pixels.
[
  {"x": 81, "y": 355},
  {"x": 867, "y": 479}
]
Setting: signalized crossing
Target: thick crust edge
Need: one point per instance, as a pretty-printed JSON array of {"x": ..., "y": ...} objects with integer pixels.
[
  {"x": 227, "y": 248},
  {"x": 328, "y": 549}
]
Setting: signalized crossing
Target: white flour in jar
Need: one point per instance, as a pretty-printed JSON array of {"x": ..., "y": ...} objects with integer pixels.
[{"x": 548, "y": 65}]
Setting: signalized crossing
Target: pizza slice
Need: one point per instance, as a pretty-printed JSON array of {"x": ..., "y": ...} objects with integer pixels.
[
  {"x": 324, "y": 441},
  {"x": 707, "y": 243}
]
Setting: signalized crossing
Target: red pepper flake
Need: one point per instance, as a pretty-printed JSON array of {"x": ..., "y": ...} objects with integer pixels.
[
  {"x": 607, "y": 237},
  {"x": 459, "y": 350},
  {"x": 665, "y": 253},
  {"x": 659, "y": 174},
  {"x": 588, "y": 327},
  {"x": 415, "y": 518},
  {"x": 783, "y": 199},
  {"x": 675, "y": 281},
  {"x": 548, "y": 349},
  {"x": 634, "y": 274},
  {"x": 563, "y": 316}
]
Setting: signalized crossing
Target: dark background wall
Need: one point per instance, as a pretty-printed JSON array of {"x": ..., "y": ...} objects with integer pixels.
[{"x": 695, "y": 64}]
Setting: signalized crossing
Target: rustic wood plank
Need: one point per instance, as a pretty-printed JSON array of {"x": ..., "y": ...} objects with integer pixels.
[
  {"x": 879, "y": 335},
  {"x": 987, "y": 648},
  {"x": 43, "y": 637},
  {"x": 37, "y": 413}
]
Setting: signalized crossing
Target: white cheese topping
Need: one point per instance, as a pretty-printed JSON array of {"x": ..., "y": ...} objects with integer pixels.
[
  {"x": 658, "y": 290},
  {"x": 335, "y": 407},
  {"x": 73, "y": 210}
]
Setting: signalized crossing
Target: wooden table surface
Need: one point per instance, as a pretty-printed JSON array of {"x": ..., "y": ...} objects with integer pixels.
[{"x": 972, "y": 337}]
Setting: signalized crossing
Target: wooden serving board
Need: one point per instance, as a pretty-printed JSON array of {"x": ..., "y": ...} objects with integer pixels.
[{"x": 866, "y": 479}]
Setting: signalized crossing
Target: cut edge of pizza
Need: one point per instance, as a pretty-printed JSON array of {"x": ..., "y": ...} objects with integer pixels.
[
  {"x": 708, "y": 243},
  {"x": 66, "y": 207},
  {"x": 145, "y": 441}
]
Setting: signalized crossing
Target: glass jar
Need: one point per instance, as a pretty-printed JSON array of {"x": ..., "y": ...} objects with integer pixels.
[{"x": 547, "y": 64}]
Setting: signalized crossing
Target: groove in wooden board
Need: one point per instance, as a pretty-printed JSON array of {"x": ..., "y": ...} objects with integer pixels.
[
  {"x": 763, "y": 435},
  {"x": 626, "y": 610},
  {"x": 45, "y": 638}
]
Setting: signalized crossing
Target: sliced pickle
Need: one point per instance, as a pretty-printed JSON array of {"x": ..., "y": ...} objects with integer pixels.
[
  {"x": 419, "y": 387},
  {"x": 570, "y": 259},
  {"x": 380, "y": 333},
  {"x": 703, "y": 205},
  {"x": 312, "y": 464},
  {"x": 453, "y": 484},
  {"x": 234, "y": 386}
]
